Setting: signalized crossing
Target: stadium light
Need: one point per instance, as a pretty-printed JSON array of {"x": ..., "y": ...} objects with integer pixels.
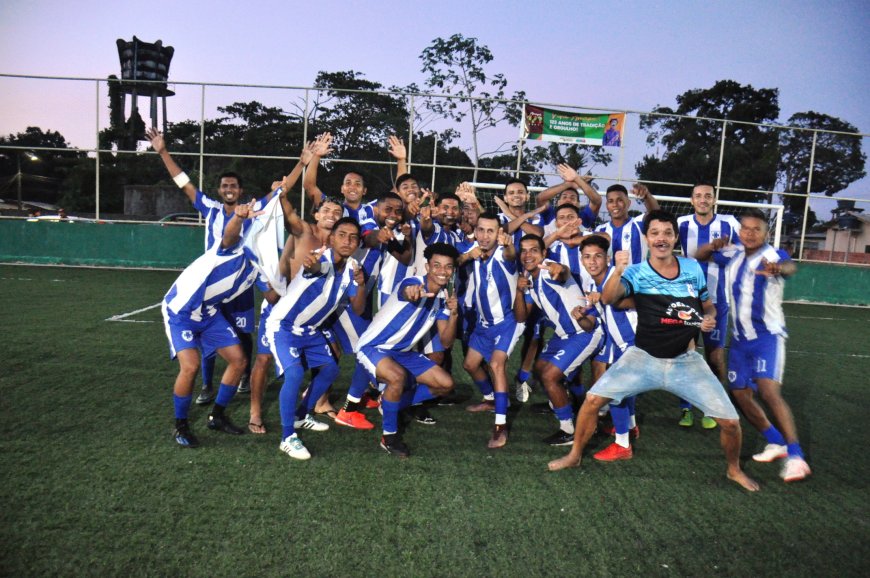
[{"x": 33, "y": 158}]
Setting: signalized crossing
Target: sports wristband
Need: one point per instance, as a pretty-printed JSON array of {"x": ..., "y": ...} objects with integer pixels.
[{"x": 181, "y": 179}]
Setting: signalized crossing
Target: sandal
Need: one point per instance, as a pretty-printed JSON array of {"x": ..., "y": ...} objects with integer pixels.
[
  {"x": 256, "y": 428},
  {"x": 330, "y": 413}
]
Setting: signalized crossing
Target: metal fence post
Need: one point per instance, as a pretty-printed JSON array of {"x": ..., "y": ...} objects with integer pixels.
[
  {"x": 721, "y": 158},
  {"x": 807, "y": 203},
  {"x": 304, "y": 141},
  {"x": 434, "y": 160},
  {"x": 410, "y": 130},
  {"x": 97, "y": 159}
]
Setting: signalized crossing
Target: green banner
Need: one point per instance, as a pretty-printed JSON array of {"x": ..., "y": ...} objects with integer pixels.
[{"x": 571, "y": 128}]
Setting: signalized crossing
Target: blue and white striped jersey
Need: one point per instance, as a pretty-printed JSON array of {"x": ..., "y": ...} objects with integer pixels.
[
  {"x": 548, "y": 218},
  {"x": 401, "y": 325},
  {"x": 570, "y": 257},
  {"x": 504, "y": 219},
  {"x": 392, "y": 271},
  {"x": 493, "y": 284},
  {"x": 694, "y": 235},
  {"x": 557, "y": 300},
  {"x": 365, "y": 212},
  {"x": 620, "y": 324},
  {"x": 311, "y": 298},
  {"x": 755, "y": 300},
  {"x": 218, "y": 276},
  {"x": 216, "y": 218},
  {"x": 628, "y": 237}
]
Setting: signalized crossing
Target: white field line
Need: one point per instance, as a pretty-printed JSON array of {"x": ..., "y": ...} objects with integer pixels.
[
  {"x": 799, "y": 352},
  {"x": 123, "y": 316}
]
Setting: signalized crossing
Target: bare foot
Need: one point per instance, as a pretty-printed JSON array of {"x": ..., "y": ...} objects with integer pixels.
[
  {"x": 499, "y": 437},
  {"x": 564, "y": 462},
  {"x": 256, "y": 426},
  {"x": 741, "y": 478}
]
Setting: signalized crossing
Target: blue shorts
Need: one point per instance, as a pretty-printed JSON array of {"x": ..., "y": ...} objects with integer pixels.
[
  {"x": 467, "y": 323},
  {"x": 207, "y": 335},
  {"x": 761, "y": 358},
  {"x": 687, "y": 376},
  {"x": 413, "y": 362},
  {"x": 569, "y": 353},
  {"x": 716, "y": 339},
  {"x": 503, "y": 336},
  {"x": 309, "y": 351},
  {"x": 263, "y": 347},
  {"x": 240, "y": 311}
]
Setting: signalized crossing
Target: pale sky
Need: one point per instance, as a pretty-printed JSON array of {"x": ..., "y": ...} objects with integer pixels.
[{"x": 604, "y": 55}]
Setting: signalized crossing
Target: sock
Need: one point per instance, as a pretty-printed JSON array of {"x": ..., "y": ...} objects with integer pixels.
[
  {"x": 352, "y": 404},
  {"x": 421, "y": 393},
  {"x": 577, "y": 390},
  {"x": 565, "y": 416},
  {"x": 685, "y": 404},
  {"x": 795, "y": 451},
  {"x": 773, "y": 436},
  {"x": 407, "y": 399},
  {"x": 632, "y": 422},
  {"x": 248, "y": 348},
  {"x": 319, "y": 384},
  {"x": 501, "y": 406},
  {"x": 485, "y": 387},
  {"x": 182, "y": 405},
  {"x": 391, "y": 416},
  {"x": 287, "y": 398},
  {"x": 619, "y": 414},
  {"x": 359, "y": 383},
  {"x": 622, "y": 440},
  {"x": 522, "y": 375},
  {"x": 207, "y": 368},
  {"x": 225, "y": 394}
]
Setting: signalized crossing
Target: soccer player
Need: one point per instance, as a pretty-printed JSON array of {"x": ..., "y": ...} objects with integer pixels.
[
  {"x": 387, "y": 347},
  {"x": 670, "y": 294},
  {"x": 625, "y": 233},
  {"x": 754, "y": 273},
  {"x": 240, "y": 311},
  {"x": 566, "y": 193},
  {"x": 549, "y": 287},
  {"x": 620, "y": 324},
  {"x": 494, "y": 284},
  {"x": 195, "y": 325},
  {"x": 696, "y": 230},
  {"x": 393, "y": 237},
  {"x": 294, "y": 330}
]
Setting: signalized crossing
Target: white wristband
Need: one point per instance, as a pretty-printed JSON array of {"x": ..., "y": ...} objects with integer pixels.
[{"x": 181, "y": 179}]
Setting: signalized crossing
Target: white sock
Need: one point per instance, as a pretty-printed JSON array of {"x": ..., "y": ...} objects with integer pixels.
[
  {"x": 631, "y": 422},
  {"x": 489, "y": 397},
  {"x": 622, "y": 439},
  {"x": 500, "y": 419},
  {"x": 566, "y": 425}
]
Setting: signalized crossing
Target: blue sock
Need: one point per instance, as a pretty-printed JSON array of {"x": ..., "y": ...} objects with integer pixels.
[
  {"x": 407, "y": 399},
  {"x": 182, "y": 405},
  {"x": 287, "y": 398},
  {"x": 225, "y": 394},
  {"x": 685, "y": 404},
  {"x": 484, "y": 385},
  {"x": 359, "y": 382},
  {"x": 325, "y": 377},
  {"x": 564, "y": 412},
  {"x": 421, "y": 393},
  {"x": 501, "y": 403},
  {"x": 522, "y": 375},
  {"x": 773, "y": 436},
  {"x": 621, "y": 416},
  {"x": 207, "y": 367},
  {"x": 391, "y": 416},
  {"x": 795, "y": 451},
  {"x": 632, "y": 401},
  {"x": 577, "y": 390}
]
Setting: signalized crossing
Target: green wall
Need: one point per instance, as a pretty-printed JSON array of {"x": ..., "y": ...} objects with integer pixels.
[
  {"x": 175, "y": 246},
  {"x": 107, "y": 244}
]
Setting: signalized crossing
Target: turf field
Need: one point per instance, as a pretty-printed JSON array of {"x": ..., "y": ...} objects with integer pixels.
[{"x": 92, "y": 482}]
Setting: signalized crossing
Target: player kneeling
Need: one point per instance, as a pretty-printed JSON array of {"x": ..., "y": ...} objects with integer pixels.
[{"x": 387, "y": 348}]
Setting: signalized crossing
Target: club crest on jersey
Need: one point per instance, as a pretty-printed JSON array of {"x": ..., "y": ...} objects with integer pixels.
[
  {"x": 294, "y": 352},
  {"x": 187, "y": 335},
  {"x": 732, "y": 376}
]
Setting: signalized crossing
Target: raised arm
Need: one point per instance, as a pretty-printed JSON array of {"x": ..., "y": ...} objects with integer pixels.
[
  {"x": 400, "y": 153},
  {"x": 233, "y": 230},
  {"x": 521, "y": 221},
  {"x": 547, "y": 195},
  {"x": 319, "y": 148},
  {"x": 447, "y": 329},
  {"x": 180, "y": 177},
  {"x": 583, "y": 183},
  {"x": 613, "y": 290},
  {"x": 641, "y": 192}
]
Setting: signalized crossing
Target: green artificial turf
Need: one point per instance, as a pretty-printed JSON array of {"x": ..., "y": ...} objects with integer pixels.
[{"x": 93, "y": 484}]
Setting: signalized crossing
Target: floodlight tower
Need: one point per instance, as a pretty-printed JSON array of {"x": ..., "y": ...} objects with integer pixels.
[{"x": 144, "y": 61}]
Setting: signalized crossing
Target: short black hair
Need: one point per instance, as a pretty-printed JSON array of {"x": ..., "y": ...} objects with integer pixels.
[
  {"x": 536, "y": 238},
  {"x": 753, "y": 213},
  {"x": 520, "y": 181},
  {"x": 231, "y": 175},
  {"x": 445, "y": 249},
  {"x": 489, "y": 215},
  {"x": 347, "y": 221},
  {"x": 664, "y": 217},
  {"x": 568, "y": 206},
  {"x": 359, "y": 174},
  {"x": 595, "y": 241},
  {"x": 389, "y": 195},
  {"x": 406, "y": 177},
  {"x": 446, "y": 196},
  {"x": 619, "y": 188}
]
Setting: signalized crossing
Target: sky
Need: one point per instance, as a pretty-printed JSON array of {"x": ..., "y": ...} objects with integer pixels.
[{"x": 603, "y": 55}]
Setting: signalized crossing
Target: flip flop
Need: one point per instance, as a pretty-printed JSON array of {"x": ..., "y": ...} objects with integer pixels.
[
  {"x": 330, "y": 413},
  {"x": 252, "y": 425}
]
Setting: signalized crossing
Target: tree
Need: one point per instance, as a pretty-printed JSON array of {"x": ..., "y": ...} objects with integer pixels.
[
  {"x": 456, "y": 66},
  {"x": 692, "y": 145},
  {"x": 41, "y": 179},
  {"x": 838, "y": 160}
]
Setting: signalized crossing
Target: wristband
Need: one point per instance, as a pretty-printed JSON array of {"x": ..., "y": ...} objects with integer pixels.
[{"x": 181, "y": 179}]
